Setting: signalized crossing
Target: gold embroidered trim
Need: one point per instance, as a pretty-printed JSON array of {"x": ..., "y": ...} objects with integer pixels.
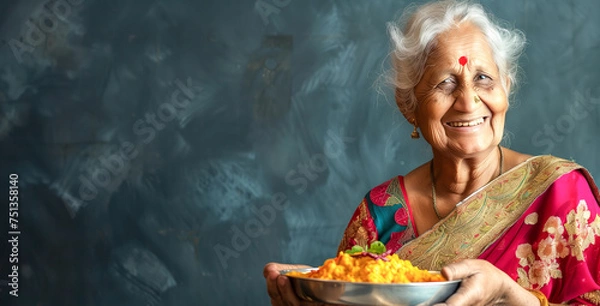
[
  {"x": 483, "y": 217},
  {"x": 395, "y": 193},
  {"x": 356, "y": 230},
  {"x": 593, "y": 297}
]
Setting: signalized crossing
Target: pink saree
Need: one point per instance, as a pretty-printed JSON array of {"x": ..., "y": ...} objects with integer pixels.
[{"x": 539, "y": 223}]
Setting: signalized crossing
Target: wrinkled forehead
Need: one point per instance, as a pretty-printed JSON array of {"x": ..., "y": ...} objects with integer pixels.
[{"x": 464, "y": 43}]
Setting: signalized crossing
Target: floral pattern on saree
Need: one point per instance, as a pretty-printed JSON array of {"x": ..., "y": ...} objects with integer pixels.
[{"x": 539, "y": 262}]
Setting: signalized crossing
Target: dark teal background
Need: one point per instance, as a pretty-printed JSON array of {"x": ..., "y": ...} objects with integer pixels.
[{"x": 167, "y": 150}]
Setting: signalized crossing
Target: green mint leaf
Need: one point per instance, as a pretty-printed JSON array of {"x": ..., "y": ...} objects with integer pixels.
[
  {"x": 377, "y": 247},
  {"x": 355, "y": 249}
]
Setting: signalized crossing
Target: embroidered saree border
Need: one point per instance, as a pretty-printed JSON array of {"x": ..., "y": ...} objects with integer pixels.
[
  {"x": 593, "y": 297},
  {"x": 356, "y": 229},
  {"x": 395, "y": 192},
  {"x": 486, "y": 214}
]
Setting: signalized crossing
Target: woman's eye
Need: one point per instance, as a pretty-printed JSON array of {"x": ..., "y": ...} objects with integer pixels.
[
  {"x": 447, "y": 85},
  {"x": 483, "y": 79}
]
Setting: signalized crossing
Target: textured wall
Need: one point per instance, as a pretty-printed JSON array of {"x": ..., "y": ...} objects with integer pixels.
[{"x": 166, "y": 150}]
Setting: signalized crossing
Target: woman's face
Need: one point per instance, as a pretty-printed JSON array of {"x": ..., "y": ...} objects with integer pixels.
[{"x": 451, "y": 119}]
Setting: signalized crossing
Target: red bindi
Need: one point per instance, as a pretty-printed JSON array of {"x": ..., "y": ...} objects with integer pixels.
[{"x": 463, "y": 60}]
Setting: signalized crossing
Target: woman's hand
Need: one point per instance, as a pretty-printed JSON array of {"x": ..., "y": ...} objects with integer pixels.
[
  {"x": 278, "y": 286},
  {"x": 484, "y": 284}
]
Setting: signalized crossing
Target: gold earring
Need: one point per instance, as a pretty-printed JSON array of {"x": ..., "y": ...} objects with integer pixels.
[
  {"x": 476, "y": 98},
  {"x": 415, "y": 133}
]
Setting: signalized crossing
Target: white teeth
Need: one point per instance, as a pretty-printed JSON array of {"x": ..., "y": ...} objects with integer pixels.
[{"x": 466, "y": 123}]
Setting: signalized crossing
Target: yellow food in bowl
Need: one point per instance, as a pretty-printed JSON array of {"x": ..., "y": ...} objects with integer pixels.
[{"x": 349, "y": 268}]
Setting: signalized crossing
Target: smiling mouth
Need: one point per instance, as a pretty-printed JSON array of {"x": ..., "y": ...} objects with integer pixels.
[{"x": 466, "y": 123}]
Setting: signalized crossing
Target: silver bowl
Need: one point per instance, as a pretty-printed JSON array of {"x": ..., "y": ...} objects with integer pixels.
[{"x": 354, "y": 293}]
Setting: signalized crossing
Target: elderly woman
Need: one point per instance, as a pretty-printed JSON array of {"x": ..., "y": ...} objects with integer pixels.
[{"x": 518, "y": 229}]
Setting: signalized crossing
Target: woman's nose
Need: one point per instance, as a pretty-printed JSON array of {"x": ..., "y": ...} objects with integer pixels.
[{"x": 467, "y": 100}]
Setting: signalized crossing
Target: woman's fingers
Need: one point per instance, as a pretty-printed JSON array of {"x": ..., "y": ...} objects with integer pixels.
[
  {"x": 273, "y": 291},
  {"x": 476, "y": 275},
  {"x": 287, "y": 292},
  {"x": 461, "y": 270},
  {"x": 271, "y": 274},
  {"x": 468, "y": 293},
  {"x": 276, "y": 267},
  {"x": 278, "y": 286}
]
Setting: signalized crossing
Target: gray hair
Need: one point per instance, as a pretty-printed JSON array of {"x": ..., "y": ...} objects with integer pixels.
[{"x": 423, "y": 24}]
